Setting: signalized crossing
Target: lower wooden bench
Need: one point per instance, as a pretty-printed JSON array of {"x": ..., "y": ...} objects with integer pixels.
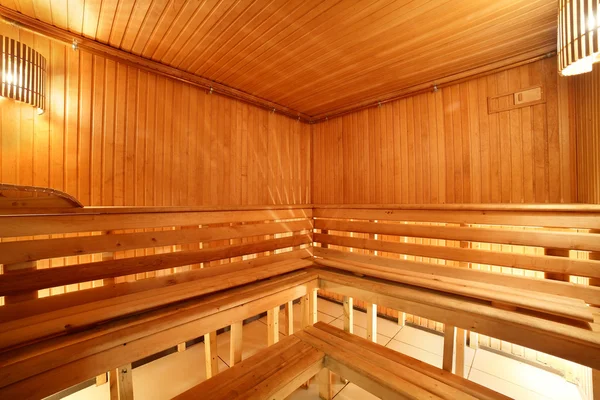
[{"x": 276, "y": 372}]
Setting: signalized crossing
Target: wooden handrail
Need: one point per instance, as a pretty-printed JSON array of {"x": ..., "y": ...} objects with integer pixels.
[{"x": 540, "y": 207}]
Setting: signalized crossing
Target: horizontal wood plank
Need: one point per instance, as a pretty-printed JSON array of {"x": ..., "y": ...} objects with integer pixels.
[
  {"x": 45, "y": 278},
  {"x": 538, "y": 263},
  {"x": 555, "y": 219},
  {"x": 28, "y": 225},
  {"x": 537, "y": 238},
  {"x": 30, "y": 250},
  {"x": 588, "y": 293}
]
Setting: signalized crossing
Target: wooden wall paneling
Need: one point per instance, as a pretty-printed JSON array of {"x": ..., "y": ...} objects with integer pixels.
[
  {"x": 584, "y": 106},
  {"x": 117, "y": 135},
  {"x": 444, "y": 147}
]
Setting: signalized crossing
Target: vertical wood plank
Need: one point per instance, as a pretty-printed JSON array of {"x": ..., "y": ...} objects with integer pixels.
[
  {"x": 235, "y": 343},
  {"x": 211, "y": 357},
  {"x": 273, "y": 325},
  {"x": 448, "y": 357}
]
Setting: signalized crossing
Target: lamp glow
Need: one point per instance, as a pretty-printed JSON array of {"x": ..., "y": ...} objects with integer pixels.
[
  {"x": 23, "y": 73},
  {"x": 578, "y": 36}
]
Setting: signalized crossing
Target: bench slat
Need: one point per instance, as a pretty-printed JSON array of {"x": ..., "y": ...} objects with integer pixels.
[
  {"x": 554, "y": 219},
  {"x": 563, "y": 265},
  {"x": 46, "y": 278},
  {"x": 73, "y": 318},
  {"x": 30, "y": 225},
  {"x": 537, "y": 238},
  {"x": 517, "y": 298},
  {"x": 366, "y": 347},
  {"x": 32, "y": 250},
  {"x": 588, "y": 293}
]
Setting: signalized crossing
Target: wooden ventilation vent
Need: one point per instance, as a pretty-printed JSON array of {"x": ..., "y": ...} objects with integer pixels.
[
  {"x": 23, "y": 73},
  {"x": 521, "y": 98},
  {"x": 578, "y": 36}
]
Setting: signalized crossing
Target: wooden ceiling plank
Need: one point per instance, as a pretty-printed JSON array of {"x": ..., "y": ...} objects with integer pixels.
[
  {"x": 333, "y": 21},
  {"x": 58, "y": 14},
  {"x": 432, "y": 37},
  {"x": 366, "y": 34},
  {"x": 246, "y": 26},
  {"x": 263, "y": 26},
  {"x": 26, "y": 7},
  {"x": 154, "y": 14},
  {"x": 216, "y": 23},
  {"x": 139, "y": 15},
  {"x": 42, "y": 10},
  {"x": 380, "y": 89},
  {"x": 120, "y": 22},
  {"x": 283, "y": 29},
  {"x": 107, "y": 15},
  {"x": 190, "y": 18},
  {"x": 368, "y": 100},
  {"x": 461, "y": 58},
  {"x": 229, "y": 24},
  {"x": 91, "y": 15},
  {"x": 75, "y": 15},
  {"x": 160, "y": 28},
  {"x": 173, "y": 55},
  {"x": 409, "y": 58},
  {"x": 319, "y": 57}
]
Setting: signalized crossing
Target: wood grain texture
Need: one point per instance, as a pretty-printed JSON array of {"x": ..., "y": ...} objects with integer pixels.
[
  {"x": 117, "y": 135},
  {"x": 444, "y": 147},
  {"x": 316, "y": 57},
  {"x": 585, "y": 119}
]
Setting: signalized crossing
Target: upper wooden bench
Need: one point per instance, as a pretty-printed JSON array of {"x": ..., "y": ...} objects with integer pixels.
[
  {"x": 121, "y": 283},
  {"x": 44, "y": 367},
  {"x": 277, "y": 371}
]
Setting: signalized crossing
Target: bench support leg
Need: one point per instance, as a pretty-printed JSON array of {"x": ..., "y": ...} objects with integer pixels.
[
  {"x": 348, "y": 314},
  {"x": 305, "y": 310},
  {"x": 273, "y": 325},
  {"x": 401, "y": 318},
  {"x": 235, "y": 343},
  {"x": 121, "y": 383},
  {"x": 371, "y": 322},
  {"x": 448, "y": 348},
  {"x": 101, "y": 379},
  {"x": 210, "y": 354},
  {"x": 289, "y": 318},
  {"x": 459, "y": 368},
  {"x": 325, "y": 384},
  {"x": 314, "y": 317}
]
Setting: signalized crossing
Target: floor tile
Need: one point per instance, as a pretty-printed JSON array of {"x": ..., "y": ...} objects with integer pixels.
[
  {"x": 502, "y": 386},
  {"x": 93, "y": 392},
  {"x": 416, "y": 352},
  {"x": 353, "y": 392},
  {"x": 171, "y": 375},
  {"x": 360, "y": 331},
  {"x": 429, "y": 341},
  {"x": 254, "y": 339},
  {"x": 525, "y": 375},
  {"x": 384, "y": 326},
  {"x": 329, "y": 307}
]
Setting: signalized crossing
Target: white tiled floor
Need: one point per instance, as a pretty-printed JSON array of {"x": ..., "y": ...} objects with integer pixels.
[{"x": 505, "y": 375}]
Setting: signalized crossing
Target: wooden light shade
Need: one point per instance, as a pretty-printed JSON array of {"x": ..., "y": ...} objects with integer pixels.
[
  {"x": 578, "y": 36},
  {"x": 23, "y": 73}
]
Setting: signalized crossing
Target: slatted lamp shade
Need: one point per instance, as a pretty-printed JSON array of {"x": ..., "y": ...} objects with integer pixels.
[
  {"x": 578, "y": 36},
  {"x": 23, "y": 73}
]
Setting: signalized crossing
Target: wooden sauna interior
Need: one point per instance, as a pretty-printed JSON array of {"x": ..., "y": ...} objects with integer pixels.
[{"x": 192, "y": 169}]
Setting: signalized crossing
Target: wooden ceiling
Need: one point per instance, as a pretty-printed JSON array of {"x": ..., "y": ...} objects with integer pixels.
[{"x": 317, "y": 57}]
